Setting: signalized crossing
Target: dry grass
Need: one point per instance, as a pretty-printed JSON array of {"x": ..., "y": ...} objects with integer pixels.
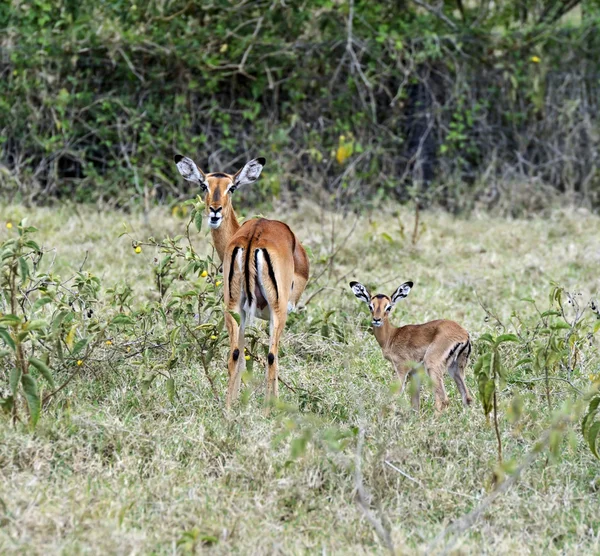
[{"x": 119, "y": 471}]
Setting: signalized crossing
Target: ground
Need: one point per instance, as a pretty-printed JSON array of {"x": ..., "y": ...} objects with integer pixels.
[{"x": 115, "y": 468}]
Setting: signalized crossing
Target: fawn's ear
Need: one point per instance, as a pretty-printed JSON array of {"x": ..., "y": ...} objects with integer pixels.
[
  {"x": 190, "y": 172},
  {"x": 248, "y": 174},
  {"x": 401, "y": 292},
  {"x": 361, "y": 292}
]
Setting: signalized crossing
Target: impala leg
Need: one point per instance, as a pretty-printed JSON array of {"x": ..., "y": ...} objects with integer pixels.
[
  {"x": 436, "y": 373},
  {"x": 235, "y": 353},
  {"x": 406, "y": 376},
  {"x": 415, "y": 389},
  {"x": 462, "y": 361},
  {"x": 277, "y": 324},
  {"x": 297, "y": 289}
]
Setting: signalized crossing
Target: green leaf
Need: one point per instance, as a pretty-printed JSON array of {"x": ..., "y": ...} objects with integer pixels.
[
  {"x": 506, "y": 338},
  {"x": 8, "y": 341},
  {"x": 15, "y": 378},
  {"x": 43, "y": 369},
  {"x": 591, "y": 414},
  {"x": 236, "y": 316},
  {"x": 486, "y": 391},
  {"x": 171, "y": 390},
  {"x": 198, "y": 220},
  {"x": 10, "y": 320},
  {"x": 550, "y": 313},
  {"x": 36, "y": 324},
  {"x": 32, "y": 245},
  {"x": 40, "y": 303},
  {"x": 592, "y": 438},
  {"x": 486, "y": 338},
  {"x": 81, "y": 344},
  {"x": 122, "y": 319},
  {"x": 23, "y": 269},
  {"x": 33, "y": 399}
]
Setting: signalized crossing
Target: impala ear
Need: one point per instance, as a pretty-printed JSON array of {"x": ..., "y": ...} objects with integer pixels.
[
  {"x": 190, "y": 172},
  {"x": 401, "y": 292},
  {"x": 361, "y": 292},
  {"x": 248, "y": 174}
]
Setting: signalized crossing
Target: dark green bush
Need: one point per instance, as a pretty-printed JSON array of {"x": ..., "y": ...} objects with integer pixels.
[{"x": 356, "y": 98}]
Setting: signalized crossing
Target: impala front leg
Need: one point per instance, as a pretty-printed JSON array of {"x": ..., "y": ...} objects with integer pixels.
[
  {"x": 236, "y": 361},
  {"x": 405, "y": 374}
]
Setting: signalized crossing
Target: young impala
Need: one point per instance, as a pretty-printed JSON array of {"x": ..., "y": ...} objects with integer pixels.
[
  {"x": 265, "y": 268},
  {"x": 439, "y": 344},
  {"x": 222, "y": 220}
]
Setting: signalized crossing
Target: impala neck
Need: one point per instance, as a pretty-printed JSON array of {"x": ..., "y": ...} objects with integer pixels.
[
  {"x": 223, "y": 234},
  {"x": 384, "y": 333}
]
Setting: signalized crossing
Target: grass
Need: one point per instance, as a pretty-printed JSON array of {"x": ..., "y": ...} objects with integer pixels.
[{"x": 112, "y": 468}]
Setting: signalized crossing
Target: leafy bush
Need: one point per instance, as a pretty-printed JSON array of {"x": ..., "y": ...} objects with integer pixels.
[{"x": 362, "y": 98}]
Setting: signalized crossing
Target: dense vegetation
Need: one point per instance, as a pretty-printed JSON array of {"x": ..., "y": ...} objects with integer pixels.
[{"x": 355, "y": 98}]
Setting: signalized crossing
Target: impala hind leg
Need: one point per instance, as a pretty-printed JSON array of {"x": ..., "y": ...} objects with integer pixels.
[
  {"x": 436, "y": 373},
  {"x": 277, "y": 324},
  {"x": 459, "y": 376},
  {"x": 298, "y": 286}
]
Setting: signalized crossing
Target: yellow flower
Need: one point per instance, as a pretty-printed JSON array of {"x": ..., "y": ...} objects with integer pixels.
[
  {"x": 9, "y": 225},
  {"x": 128, "y": 349},
  {"x": 213, "y": 337},
  {"x": 247, "y": 357},
  {"x": 204, "y": 274},
  {"x": 108, "y": 343},
  {"x": 138, "y": 249},
  {"x": 223, "y": 48},
  {"x": 217, "y": 283},
  {"x": 535, "y": 59},
  {"x": 79, "y": 362}
]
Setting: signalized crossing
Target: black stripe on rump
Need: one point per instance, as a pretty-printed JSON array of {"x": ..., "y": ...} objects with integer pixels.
[
  {"x": 271, "y": 271},
  {"x": 233, "y": 255},
  {"x": 454, "y": 351},
  {"x": 469, "y": 346},
  {"x": 247, "y": 271}
]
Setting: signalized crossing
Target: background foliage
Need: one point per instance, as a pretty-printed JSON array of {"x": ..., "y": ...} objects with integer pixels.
[{"x": 359, "y": 99}]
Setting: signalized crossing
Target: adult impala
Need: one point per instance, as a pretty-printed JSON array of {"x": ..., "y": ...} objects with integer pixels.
[
  {"x": 265, "y": 268},
  {"x": 222, "y": 220},
  {"x": 439, "y": 344}
]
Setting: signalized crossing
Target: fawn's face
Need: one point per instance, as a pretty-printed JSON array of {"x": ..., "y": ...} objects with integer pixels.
[{"x": 380, "y": 305}]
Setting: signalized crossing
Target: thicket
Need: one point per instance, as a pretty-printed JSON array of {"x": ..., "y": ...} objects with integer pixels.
[{"x": 358, "y": 99}]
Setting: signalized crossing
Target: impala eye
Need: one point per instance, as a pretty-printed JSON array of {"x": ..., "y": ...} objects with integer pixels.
[
  {"x": 371, "y": 307},
  {"x": 388, "y": 308}
]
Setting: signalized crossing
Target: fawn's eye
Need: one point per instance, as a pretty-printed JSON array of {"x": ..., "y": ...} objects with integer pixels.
[
  {"x": 388, "y": 308},
  {"x": 371, "y": 307}
]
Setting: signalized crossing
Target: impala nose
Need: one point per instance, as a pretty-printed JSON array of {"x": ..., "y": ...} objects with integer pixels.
[
  {"x": 377, "y": 322},
  {"x": 214, "y": 216}
]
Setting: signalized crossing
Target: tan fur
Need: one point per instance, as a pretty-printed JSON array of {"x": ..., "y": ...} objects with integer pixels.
[
  {"x": 243, "y": 286},
  {"x": 440, "y": 345}
]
